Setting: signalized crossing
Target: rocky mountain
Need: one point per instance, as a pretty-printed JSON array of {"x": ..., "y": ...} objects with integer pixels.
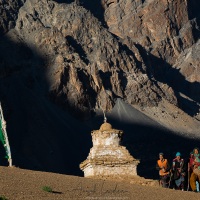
[{"x": 63, "y": 62}]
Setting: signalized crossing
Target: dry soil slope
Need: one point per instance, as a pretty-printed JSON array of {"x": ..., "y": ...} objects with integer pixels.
[{"x": 18, "y": 184}]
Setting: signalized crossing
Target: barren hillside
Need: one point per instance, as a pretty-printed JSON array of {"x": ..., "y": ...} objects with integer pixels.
[{"x": 17, "y": 184}]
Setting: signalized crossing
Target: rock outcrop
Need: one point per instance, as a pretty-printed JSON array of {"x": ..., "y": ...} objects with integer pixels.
[{"x": 9, "y": 13}]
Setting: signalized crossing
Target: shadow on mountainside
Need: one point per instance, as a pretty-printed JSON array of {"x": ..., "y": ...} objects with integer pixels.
[
  {"x": 95, "y": 7},
  {"x": 165, "y": 73},
  {"x": 193, "y": 9},
  {"x": 78, "y": 48},
  {"x": 42, "y": 136},
  {"x": 194, "y": 15}
]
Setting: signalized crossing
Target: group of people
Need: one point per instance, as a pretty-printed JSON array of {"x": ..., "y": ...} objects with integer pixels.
[{"x": 180, "y": 172}]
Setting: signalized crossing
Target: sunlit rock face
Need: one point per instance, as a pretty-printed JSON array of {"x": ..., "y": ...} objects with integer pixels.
[
  {"x": 166, "y": 34},
  {"x": 86, "y": 66},
  {"x": 107, "y": 158}
]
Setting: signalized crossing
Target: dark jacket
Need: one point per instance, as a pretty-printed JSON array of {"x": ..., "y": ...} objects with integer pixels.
[{"x": 178, "y": 168}]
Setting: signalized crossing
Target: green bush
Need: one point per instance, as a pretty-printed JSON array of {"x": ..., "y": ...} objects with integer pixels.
[
  {"x": 46, "y": 189},
  {"x": 3, "y": 198}
]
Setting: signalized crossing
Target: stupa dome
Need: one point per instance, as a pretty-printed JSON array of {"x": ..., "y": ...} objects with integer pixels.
[{"x": 105, "y": 127}]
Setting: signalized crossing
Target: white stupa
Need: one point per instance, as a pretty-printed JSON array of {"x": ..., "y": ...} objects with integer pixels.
[{"x": 107, "y": 158}]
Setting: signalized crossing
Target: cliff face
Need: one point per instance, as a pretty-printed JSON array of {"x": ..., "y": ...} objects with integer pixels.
[
  {"x": 87, "y": 66},
  {"x": 62, "y": 61},
  {"x": 166, "y": 34}
]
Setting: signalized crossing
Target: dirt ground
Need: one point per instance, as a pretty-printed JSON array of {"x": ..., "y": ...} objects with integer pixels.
[{"x": 16, "y": 183}]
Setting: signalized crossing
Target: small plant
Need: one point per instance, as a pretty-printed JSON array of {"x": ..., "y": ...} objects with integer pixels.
[
  {"x": 3, "y": 198},
  {"x": 46, "y": 189}
]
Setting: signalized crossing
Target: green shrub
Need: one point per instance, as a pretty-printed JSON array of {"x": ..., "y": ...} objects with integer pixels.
[
  {"x": 3, "y": 198},
  {"x": 47, "y": 189}
]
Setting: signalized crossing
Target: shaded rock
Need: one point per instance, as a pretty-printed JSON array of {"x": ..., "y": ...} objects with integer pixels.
[{"x": 9, "y": 12}]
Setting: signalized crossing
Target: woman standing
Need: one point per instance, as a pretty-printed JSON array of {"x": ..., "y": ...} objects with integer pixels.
[
  {"x": 179, "y": 172},
  {"x": 163, "y": 167},
  {"x": 195, "y": 175}
]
